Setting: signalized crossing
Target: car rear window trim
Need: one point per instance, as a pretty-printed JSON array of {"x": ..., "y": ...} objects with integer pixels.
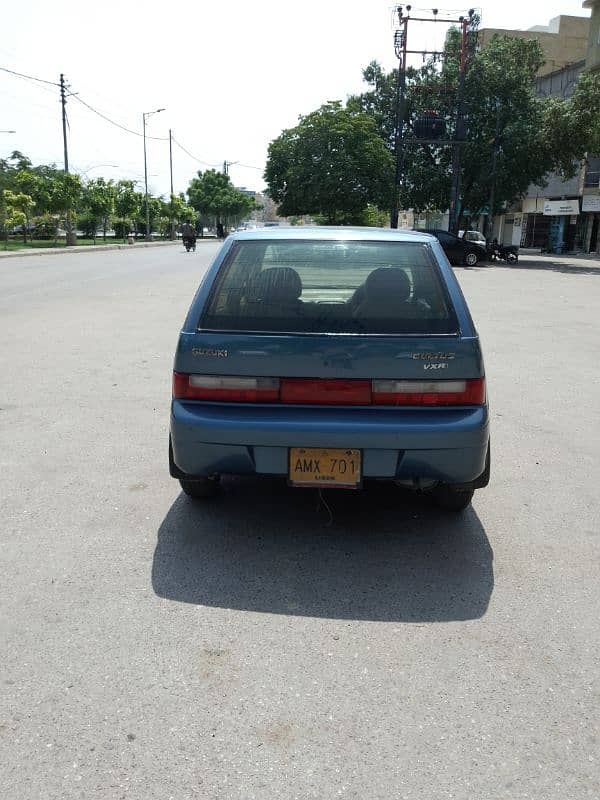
[
  {"x": 414, "y": 335},
  {"x": 220, "y": 277}
]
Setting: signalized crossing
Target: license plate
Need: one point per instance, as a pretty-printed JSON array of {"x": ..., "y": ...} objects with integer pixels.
[{"x": 315, "y": 466}]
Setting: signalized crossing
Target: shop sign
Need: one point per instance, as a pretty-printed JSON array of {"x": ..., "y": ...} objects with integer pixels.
[
  {"x": 591, "y": 202},
  {"x": 558, "y": 208}
]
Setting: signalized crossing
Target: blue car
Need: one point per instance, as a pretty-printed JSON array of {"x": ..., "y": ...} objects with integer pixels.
[{"x": 331, "y": 356}]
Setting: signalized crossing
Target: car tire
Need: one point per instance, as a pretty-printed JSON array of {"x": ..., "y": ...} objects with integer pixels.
[
  {"x": 471, "y": 258},
  {"x": 512, "y": 258},
  {"x": 200, "y": 488},
  {"x": 450, "y": 499}
]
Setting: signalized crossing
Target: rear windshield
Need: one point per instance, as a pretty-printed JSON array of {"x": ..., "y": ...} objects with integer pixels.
[{"x": 304, "y": 286}]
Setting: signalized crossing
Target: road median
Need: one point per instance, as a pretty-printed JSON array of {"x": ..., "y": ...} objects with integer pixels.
[{"x": 94, "y": 248}]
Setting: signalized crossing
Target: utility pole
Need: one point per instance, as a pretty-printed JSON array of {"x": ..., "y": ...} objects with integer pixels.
[
  {"x": 71, "y": 236},
  {"x": 171, "y": 171},
  {"x": 459, "y": 133},
  {"x": 144, "y": 115},
  {"x": 400, "y": 42},
  {"x": 429, "y": 130},
  {"x": 225, "y": 168},
  {"x": 492, "y": 200},
  {"x": 63, "y": 101}
]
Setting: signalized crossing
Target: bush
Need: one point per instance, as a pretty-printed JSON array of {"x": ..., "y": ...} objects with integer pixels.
[
  {"x": 46, "y": 227},
  {"x": 122, "y": 228},
  {"x": 87, "y": 224}
]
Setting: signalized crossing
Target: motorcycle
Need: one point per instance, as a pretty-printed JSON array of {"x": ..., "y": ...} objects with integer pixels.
[
  {"x": 189, "y": 242},
  {"x": 501, "y": 252}
]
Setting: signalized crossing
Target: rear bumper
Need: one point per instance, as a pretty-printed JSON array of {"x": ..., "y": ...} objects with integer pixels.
[{"x": 442, "y": 444}]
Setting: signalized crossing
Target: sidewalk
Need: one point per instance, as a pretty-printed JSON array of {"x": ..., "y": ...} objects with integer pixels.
[
  {"x": 536, "y": 251},
  {"x": 93, "y": 248}
]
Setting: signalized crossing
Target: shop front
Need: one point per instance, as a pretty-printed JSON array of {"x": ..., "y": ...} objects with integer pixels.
[
  {"x": 563, "y": 225},
  {"x": 590, "y": 208}
]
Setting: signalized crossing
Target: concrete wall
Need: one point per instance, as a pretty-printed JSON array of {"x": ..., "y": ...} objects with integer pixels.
[{"x": 564, "y": 41}]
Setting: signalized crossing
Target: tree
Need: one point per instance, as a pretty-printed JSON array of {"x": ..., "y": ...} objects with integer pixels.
[
  {"x": 502, "y": 113},
  {"x": 180, "y": 211},
  {"x": 98, "y": 199},
  {"x": 128, "y": 204},
  {"x": 10, "y": 166},
  {"x": 155, "y": 210},
  {"x": 15, "y": 212},
  {"x": 212, "y": 193},
  {"x": 65, "y": 195},
  {"x": 572, "y": 126},
  {"x": 332, "y": 163}
]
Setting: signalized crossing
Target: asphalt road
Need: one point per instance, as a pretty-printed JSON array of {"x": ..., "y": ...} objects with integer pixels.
[{"x": 151, "y": 648}]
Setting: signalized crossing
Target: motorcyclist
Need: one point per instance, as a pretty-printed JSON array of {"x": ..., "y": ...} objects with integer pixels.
[{"x": 188, "y": 233}]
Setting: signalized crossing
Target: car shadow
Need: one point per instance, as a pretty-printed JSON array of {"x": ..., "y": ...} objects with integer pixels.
[{"x": 381, "y": 554}]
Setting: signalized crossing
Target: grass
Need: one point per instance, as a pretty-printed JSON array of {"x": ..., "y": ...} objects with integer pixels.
[{"x": 14, "y": 244}]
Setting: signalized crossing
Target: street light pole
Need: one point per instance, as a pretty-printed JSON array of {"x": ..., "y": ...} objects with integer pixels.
[
  {"x": 171, "y": 172},
  {"x": 144, "y": 115}
]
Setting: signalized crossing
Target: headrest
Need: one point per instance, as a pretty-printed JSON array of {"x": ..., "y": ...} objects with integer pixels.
[
  {"x": 277, "y": 285},
  {"x": 388, "y": 283}
]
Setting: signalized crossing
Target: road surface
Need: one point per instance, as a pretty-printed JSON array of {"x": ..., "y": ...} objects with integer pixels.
[{"x": 154, "y": 648}]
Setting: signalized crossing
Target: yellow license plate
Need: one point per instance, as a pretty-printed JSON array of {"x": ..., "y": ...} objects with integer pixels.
[{"x": 315, "y": 466}]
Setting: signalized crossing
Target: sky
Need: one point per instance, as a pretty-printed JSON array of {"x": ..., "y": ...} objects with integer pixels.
[{"x": 231, "y": 75}]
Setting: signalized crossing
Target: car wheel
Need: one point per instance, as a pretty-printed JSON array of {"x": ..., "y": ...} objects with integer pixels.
[
  {"x": 471, "y": 258},
  {"x": 450, "y": 499},
  {"x": 200, "y": 488},
  {"x": 512, "y": 258}
]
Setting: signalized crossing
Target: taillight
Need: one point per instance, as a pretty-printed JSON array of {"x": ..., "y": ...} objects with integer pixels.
[
  {"x": 225, "y": 388},
  {"x": 305, "y": 391},
  {"x": 429, "y": 393},
  {"x": 317, "y": 391}
]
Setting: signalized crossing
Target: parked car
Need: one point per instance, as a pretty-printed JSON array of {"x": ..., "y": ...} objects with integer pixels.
[
  {"x": 331, "y": 356},
  {"x": 459, "y": 251},
  {"x": 473, "y": 236}
]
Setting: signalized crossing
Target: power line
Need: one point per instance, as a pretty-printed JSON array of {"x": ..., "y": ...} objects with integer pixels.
[
  {"x": 195, "y": 158},
  {"x": 28, "y": 77},
  {"x": 206, "y": 164},
  {"x": 116, "y": 124}
]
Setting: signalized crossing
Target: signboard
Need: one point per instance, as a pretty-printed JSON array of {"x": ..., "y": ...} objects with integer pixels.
[
  {"x": 591, "y": 202},
  {"x": 558, "y": 208}
]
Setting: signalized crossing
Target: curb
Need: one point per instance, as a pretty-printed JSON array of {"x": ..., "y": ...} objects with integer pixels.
[{"x": 94, "y": 248}]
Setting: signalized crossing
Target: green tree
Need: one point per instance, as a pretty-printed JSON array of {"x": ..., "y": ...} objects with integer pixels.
[
  {"x": 499, "y": 95},
  {"x": 128, "y": 203},
  {"x": 572, "y": 126},
  {"x": 98, "y": 201},
  {"x": 65, "y": 195},
  {"x": 333, "y": 163},
  {"x": 179, "y": 211},
  {"x": 213, "y": 194},
  {"x": 155, "y": 209},
  {"x": 16, "y": 208}
]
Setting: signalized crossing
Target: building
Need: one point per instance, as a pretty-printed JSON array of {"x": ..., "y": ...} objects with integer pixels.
[
  {"x": 564, "y": 40},
  {"x": 563, "y": 215},
  {"x": 593, "y": 51}
]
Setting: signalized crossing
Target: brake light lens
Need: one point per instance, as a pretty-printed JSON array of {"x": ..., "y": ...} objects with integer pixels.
[
  {"x": 305, "y": 391},
  {"x": 225, "y": 388},
  {"x": 429, "y": 393},
  {"x": 315, "y": 391}
]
